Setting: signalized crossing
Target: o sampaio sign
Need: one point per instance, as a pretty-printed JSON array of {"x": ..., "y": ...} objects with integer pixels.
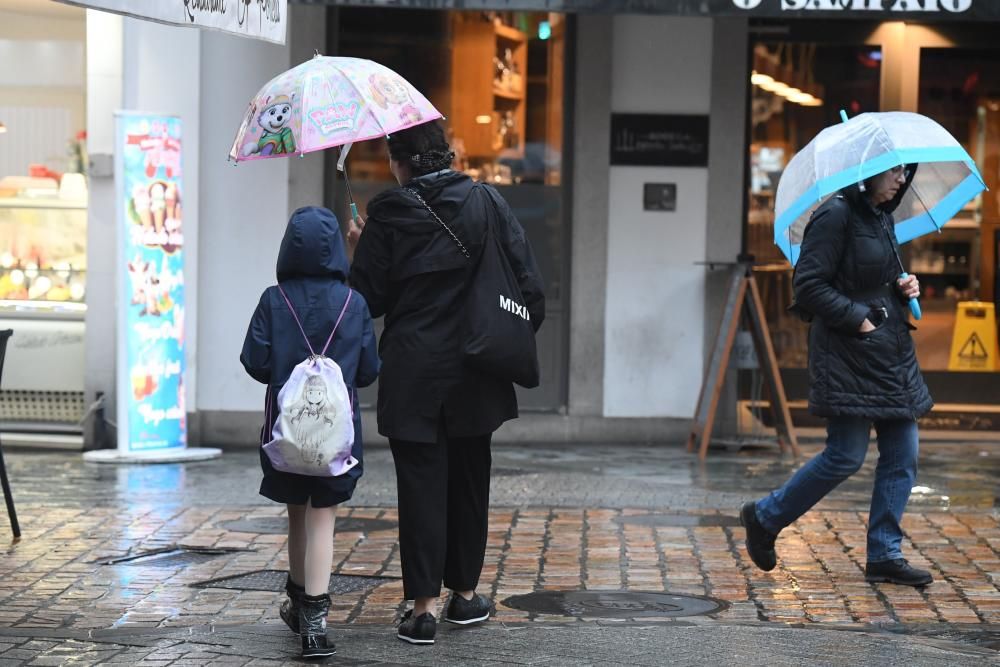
[{"x": 913, "y": 10}]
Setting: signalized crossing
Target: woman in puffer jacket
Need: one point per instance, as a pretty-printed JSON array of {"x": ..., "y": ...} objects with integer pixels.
[{"x": 863, "y": 372}]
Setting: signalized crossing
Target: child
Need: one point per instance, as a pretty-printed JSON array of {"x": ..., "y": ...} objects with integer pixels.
[{"x": 312, "y": 270}]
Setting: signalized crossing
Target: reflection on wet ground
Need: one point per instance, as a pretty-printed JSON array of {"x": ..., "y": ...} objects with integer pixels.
[{"x": 957, "y": 474}]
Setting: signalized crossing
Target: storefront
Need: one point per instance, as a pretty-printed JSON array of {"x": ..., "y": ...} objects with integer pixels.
[
  {"x": 43, "y": 214},
  {"x": 948, "y": 71},
  {"x": 499, "y": 79},
  {"x": 635, "y": 287}
]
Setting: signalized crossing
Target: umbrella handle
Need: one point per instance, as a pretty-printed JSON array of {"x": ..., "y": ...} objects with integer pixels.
[
  {"x": 914, "y": 303},
  {"x": 354, "y": 216}
]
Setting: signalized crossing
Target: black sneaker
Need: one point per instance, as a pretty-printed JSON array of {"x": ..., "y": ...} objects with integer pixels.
[
  {"x": 417, "y": 630},
  {"x": 466, "y": 612},
  {"x": 896, "y": 571},
  {"x": 759, "y": 542}
]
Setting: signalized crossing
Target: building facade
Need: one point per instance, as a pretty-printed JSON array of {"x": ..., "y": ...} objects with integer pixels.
[{"x": 565, "y": 113}]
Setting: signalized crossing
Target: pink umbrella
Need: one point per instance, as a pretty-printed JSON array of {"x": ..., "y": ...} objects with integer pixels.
[{"x": 328, "y": 102}]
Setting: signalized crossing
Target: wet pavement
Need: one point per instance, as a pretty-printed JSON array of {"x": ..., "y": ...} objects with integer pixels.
[{"x": 101, "y": 574}]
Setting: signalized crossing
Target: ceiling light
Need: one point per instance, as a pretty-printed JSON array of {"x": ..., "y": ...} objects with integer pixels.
[
  {"x": 814, "y": 102},
  {"x": 758, "y": 79},
  {"x": 800, "y": 98},
  {"x": 3, "y": 128},
  {"x": 778, "y": 88},
  {"x": 788, "y": 92},
  {"x": 485, "y": 119}
]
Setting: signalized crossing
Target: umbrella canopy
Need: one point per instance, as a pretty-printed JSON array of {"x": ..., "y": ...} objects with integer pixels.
[
  {"x": 327, "y": 102},
  {"x": 869, "y": 144}
]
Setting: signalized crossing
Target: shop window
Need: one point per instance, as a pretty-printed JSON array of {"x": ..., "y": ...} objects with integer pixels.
[
  {"x": 960, "y": 88},
  {"x": 43, "y": 188},
  {"x": 825, "y": 79},
  {"x": 498, "y": 79}
]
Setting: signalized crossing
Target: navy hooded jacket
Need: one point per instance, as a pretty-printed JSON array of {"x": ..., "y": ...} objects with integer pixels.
[{"x": 312, "y": 270}]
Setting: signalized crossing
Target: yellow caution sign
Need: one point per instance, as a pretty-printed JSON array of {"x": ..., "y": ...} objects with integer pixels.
[{"x": 974, "y": 343}]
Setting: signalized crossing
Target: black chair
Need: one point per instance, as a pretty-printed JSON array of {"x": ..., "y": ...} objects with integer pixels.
[{"x": 7, "y": 496}]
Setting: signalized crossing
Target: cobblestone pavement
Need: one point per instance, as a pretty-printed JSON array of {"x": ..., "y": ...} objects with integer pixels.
[{"x": 571, "y": 518}]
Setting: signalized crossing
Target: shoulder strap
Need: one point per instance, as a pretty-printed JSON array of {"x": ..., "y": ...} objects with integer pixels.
[
  {"x": 343, "y": 310},
  {"x": 303, "y": 331},
  {"x": 448, "y": 229}
]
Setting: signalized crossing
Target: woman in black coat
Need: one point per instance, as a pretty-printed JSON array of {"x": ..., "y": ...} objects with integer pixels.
[
  {"x": 862, "y": 371},
  {"x": 438, "y": 413}
]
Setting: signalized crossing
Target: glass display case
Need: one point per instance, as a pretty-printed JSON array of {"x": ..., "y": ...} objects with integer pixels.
[{"x": 43, "y": 256}]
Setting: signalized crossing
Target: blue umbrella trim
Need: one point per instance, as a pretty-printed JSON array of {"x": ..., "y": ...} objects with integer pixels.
[
  {"x": 944, "y": 211},
  {"x": 918, "y": 225},
  {"x": 877, "y": 165}
]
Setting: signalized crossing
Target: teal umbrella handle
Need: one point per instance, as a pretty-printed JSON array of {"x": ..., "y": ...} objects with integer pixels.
[
  {"x": 354, "y": 214},
  {"x": 914, "y": 303}
]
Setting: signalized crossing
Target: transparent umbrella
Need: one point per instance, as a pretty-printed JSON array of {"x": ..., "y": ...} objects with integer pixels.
[{"x": 946, "y": 178}]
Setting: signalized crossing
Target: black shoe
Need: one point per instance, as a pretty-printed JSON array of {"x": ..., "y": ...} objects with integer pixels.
[
  {"x": 760, "y": 543},
  {"x": 896, "y": 571},
  {"x": 312, "y": 624},
  {"x": 289, "y": 610},
  {"x": 417, "y": 629},
  {"x": 466, "y": 612}
]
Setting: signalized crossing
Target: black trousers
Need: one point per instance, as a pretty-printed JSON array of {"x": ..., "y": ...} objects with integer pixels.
[{"x": 444, "y": 498}]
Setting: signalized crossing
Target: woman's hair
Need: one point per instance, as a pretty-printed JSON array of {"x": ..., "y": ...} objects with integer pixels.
[{"x": 422, "y": 147}]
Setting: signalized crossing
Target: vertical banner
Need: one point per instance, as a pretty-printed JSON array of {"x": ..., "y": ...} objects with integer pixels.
[{"x": 151, "y": 412}]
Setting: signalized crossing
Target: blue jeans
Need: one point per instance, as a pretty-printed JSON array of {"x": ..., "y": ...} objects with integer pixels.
[{"x": 846, "y": 445}]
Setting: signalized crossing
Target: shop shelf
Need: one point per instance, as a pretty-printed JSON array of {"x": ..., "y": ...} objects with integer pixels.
[
  {"x": 507, "y": 95},
  {"x": 509, "y": 34}
]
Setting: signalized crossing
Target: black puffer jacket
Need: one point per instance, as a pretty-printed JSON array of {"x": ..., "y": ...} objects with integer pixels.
[{"x": 847, "y": 268}]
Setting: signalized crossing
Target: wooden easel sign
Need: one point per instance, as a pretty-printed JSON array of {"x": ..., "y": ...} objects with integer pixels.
[{"x": 741, "y": 285}]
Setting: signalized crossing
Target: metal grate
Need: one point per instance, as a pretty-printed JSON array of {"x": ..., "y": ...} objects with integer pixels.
[
  {"x": 274, "y": 581},
  {"x": 615, "y": 604},
  {"x": 22, "y": 405},
  {"x": 172, "y": 556}
]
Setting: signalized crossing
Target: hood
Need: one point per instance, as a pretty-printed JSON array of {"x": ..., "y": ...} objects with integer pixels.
[
  {"x": 854, "y": 195},
  {"x": 312, "y": 246},
  {"x": 444, "y": 191}
]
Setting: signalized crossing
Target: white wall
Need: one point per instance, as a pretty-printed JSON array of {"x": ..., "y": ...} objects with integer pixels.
[
  {"x": 654, "y": 329},
  {"x": 104, "y": 91},
  {"x": 244, "y": 210}
]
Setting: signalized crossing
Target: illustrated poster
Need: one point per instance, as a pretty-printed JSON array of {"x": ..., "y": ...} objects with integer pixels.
[{"x": 151, "y": 411}]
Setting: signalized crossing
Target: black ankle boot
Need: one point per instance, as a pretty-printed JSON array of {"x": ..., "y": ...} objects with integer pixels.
[
  {"x": 897, "y": 571},
  {"x": 312, "y": 626},
  {"x": 289, "y": 610},
  {"x": 759, "y": 542}
]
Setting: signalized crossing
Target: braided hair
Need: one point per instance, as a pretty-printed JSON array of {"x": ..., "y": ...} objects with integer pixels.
[{"x": 422, "y": 147}]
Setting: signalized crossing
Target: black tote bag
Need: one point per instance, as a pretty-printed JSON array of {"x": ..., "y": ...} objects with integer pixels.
[{"x": 499, "y": 335}]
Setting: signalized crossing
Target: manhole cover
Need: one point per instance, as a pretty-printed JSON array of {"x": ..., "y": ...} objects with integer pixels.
[
  {"x": 172, "y": 556},
  {"x": 274, "y": 581},
  {"x": 278, "y": 525},
  {"x": 681, "y": 520},
  {"x": 614, "y": 604}
]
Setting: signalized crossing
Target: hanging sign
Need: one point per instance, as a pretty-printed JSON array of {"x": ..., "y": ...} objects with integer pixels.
[
  {"x": 150, "y": 388},
  {"x": 258, "y": 19},
  {"x": 898, "y": 10}
]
